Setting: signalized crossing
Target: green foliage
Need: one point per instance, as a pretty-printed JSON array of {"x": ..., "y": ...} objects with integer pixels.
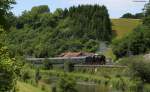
[
  {"x": 146, "y": 88},
  {"x": 40, "y": 33},
  {"x": 68, "y": 66},
  {"x": 37, "y": 75},
  {"x": 146, "y": 20},
  {"x": 137, "y": 42},
  {"x": 136, "y": 16},
  {"x": 139, "y": 15},
  {"x": 25, "y": 75},
  {"x": 142, "y": 70},
  {"x": 8, "y": 69},
  {"x": 47, "y": 64},
  {"x": 66, "y": 84},
  {"x": 127, "y": 15},
  {"x": 5, "y": 5},
  {"x": 53, "y": 88},
  {"x": 139, "y": 67},
  {"x": 40, "y": 9}
]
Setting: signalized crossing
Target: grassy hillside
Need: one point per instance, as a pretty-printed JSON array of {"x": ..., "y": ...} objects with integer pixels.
[{"x": 124, "y": 26}]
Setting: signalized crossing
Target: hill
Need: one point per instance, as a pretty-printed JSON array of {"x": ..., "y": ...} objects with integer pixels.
[
  {"x": 121, "y": 27},
  {"x": 41, "y": 33},
  {"x": 124, "y": 26}
]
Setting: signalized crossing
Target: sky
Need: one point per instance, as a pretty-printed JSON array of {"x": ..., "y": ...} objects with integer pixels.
[{"x": 116, "y": 8}]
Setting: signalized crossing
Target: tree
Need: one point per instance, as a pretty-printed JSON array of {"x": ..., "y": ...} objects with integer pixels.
[
  {"x": 139, "y": 15},
  {"x": 40, "y": 9},
  {"x": 8, "y": 70},
  {"x": 146, "y": 20},
  {"x": 141, "y": 69},
  {"x": 5, "y": 6},
  {"x": 137, "y": 42},
  {"x": 128, "y": 15},
  {"x": 40, "y": 33},
  {"x": 133, "y": 16}
]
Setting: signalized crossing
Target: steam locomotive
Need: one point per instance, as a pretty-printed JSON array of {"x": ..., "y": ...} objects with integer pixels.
[
  {"x": 95, "y": 60},
  {"x": 85, "y": 60}
]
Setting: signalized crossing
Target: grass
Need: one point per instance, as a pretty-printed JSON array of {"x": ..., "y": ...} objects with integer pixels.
[
  {"x": 121, "y": 27},
  {"x": 124, "y": 26},
  {"x": 109, "y": 54},
  {"x": 115, "y": 83},
  {"x": 24, "y": 87},
  {"x": 102, "y": 74}
]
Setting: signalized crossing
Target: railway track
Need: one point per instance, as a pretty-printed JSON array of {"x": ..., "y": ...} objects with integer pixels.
[{"x": 97, "y": 66}]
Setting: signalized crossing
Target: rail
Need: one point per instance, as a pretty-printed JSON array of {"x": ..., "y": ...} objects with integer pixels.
[{"x": 97, "y": 66}]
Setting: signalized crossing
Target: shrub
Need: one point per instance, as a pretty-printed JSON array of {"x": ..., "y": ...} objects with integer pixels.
[
  {"x": 138, "y": 67},
  {"x": 66, "y": 84},
  {"x": 25, "y": 75},
  {"x": 53, "y": 88},
  {"x": 146, "y": 88},
  {"x": 8, "y": 69},
  {"x": 43, "y": 87},
  {"x": 68, "y": 66},
  {"x": 37, "y": 76},
  {"x": 141, "y": 69},
  {"x": 47, "y": 64}
]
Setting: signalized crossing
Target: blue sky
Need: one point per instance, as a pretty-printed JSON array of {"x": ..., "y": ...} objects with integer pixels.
[{"x": 116, "y": 7}]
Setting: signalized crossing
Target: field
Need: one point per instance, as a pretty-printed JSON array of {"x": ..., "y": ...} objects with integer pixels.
[{"x": 124, "y": 26}]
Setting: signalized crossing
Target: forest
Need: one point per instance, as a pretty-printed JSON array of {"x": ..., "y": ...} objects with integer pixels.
[{"x": 41, "y": 33}]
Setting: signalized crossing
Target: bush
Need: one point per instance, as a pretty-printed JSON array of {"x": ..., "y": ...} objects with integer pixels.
[
  {"x": 47, "y": 64},
  {"x": 141, "y": 69},
  {"x": 53, "y": 88},
  {"x": 37, "y": 76},
  {"x": 146, "y": 88},
  {"x": 138, "y": 67},
  {"x": 68, "y": 66},
  {"x": 25, "y": 75},
  {"x": 135, "y": 43},
  {"x": 8, "y": 69},
  {"x": 43, "y": 87},
  {"x": 66, "y": 84}
]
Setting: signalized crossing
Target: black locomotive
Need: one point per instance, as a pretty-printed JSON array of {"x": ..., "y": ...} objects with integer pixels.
[{"x": 95, "y": 60}]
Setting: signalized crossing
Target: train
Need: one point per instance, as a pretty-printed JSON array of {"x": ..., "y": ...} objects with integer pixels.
[{"x": 85, "y": 60}]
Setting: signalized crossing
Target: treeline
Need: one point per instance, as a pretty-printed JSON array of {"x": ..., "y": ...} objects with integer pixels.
[
  {"x": 133, "y": 16},
  {"x": 137, "y": 42},
  {"x": 41, "y": 33}
]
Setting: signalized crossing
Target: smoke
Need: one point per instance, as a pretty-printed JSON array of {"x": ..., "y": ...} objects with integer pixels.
[{"x": 102, "y": 47}]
